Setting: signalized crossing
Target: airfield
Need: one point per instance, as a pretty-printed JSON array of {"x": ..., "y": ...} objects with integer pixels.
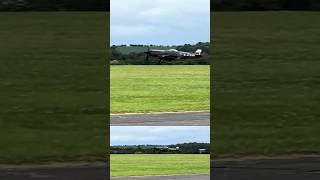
[
  {"x": 160, "y": 95},
  {"x": 273, "y": 79},
  {"x": 162, "y": 119},
  {"x": 159, "y": 88},
  {"x": 137, "y": 165}
]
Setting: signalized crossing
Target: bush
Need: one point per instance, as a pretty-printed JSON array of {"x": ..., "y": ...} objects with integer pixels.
[{"x": 115, "y": 62}]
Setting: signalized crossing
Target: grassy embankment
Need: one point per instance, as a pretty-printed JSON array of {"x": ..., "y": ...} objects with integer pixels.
[
  {"x": 53, "y": 93},
  {"x": 267, "y": 81}
]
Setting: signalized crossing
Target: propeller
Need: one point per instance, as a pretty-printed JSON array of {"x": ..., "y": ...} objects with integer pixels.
[{"x": 147, "y": 56}]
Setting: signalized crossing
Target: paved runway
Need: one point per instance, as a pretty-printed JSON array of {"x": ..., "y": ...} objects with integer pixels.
[
  {"x": 162, "y": 119},
  {"x": 186, "y": 177},
  {"x": 70, "y": 172},
  {"x": 306, "y": 168}
]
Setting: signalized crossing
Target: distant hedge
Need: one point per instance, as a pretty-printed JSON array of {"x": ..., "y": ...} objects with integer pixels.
[
  {"x": 255, "y": 5},
  {"x": 185, "y": 148},
  {"x": 104, "y": 5}
]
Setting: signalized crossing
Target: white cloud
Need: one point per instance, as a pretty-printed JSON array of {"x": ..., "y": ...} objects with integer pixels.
[
  {"x": 129, "y": 31},
  {"x": 168, "y": 21},
  {"x": 158, "y": 135}
]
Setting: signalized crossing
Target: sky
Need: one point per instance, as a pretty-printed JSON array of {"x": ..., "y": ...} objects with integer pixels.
[
  {"x": 158, "y": 135},
  {"x": 159, "y": 22}
]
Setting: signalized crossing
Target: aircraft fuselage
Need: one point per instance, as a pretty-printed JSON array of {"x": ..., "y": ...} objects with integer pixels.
[{"x": 171, "y": 54}]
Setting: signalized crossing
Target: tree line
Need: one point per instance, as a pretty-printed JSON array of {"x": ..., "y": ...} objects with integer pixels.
[
  {"x": 119, "y": 57},
  {"x": 184, "y": 148},
  {"x": 54, "y": 5},
  {"x": 255, "y": 5},
  {"x": 104, "y": 5}
]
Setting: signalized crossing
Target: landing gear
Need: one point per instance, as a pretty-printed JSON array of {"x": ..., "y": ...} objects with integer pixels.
[{"x": 160, "y": 61}]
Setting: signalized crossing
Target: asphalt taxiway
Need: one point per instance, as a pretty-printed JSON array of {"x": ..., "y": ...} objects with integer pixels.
[
  {"x": 292, "y": 168},
  {"x": 56, "y": 172},
  {"x": 162, "y": 119}
]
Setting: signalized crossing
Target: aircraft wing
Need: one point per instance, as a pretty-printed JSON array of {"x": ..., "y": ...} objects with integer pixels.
[
  {"x": 164, "y": 56},
  {"x": 167, "y": 56}
]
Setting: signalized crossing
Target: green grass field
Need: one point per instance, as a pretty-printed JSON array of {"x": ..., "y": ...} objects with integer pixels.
[
  {"x": 53, "y": 92},
  {"x": 158, "y": 164},
  {"x": 266, "y": 78},
  {"x": 159, "y": 88}
]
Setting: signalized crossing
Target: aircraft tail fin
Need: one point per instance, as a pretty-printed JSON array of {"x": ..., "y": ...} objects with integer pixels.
[{"x": 198, "y": 52}]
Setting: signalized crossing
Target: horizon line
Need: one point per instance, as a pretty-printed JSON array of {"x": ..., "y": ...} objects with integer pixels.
[
  {"x": 160, "y": 144},
  {"x": 159, "y": 44}
]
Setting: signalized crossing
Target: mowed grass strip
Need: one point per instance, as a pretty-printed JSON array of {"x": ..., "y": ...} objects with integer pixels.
[
  {"x": 158, "y": 164},
  {"x": 266, "y": 83},
  {"x": 159, "y": 88}
]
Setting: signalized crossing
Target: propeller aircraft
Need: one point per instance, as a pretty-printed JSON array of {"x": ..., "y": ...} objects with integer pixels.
[{"x": 171, "y": 54}]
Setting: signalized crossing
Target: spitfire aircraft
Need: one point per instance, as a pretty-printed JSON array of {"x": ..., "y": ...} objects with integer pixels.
[
  {"x": 167, "y": 149},
  {"x": 171, "y": 54}
]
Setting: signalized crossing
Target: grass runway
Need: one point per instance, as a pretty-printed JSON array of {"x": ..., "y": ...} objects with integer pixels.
[
  {"x": 154, "y": 88},
  {"x": 158, "y": 164}
]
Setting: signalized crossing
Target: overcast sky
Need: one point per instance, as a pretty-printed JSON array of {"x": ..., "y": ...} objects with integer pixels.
[
  {"x": 158, "y": 135},
  {"x": 160, "y": 22}
]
